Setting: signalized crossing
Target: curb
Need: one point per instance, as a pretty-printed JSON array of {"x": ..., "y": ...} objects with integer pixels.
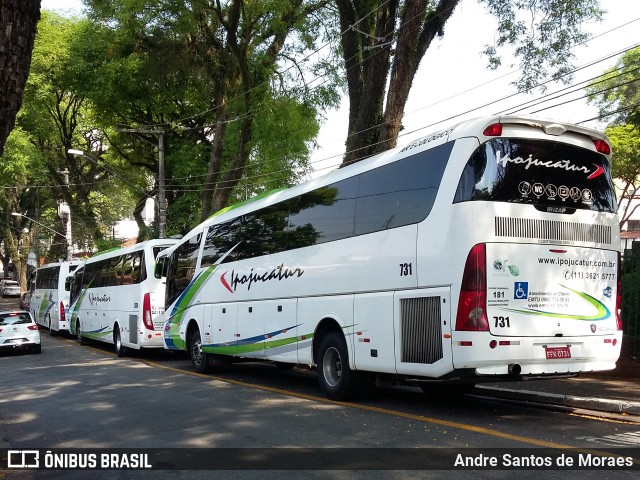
[{"x": 587, "y": 403}]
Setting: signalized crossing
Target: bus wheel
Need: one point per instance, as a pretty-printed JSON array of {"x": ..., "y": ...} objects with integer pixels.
[
  {"x": 199, "y": 358},
  {"x": 337, "y": 380},
  {"x": 121, "y": 350},
  {"x": 52, "y": 332},
  {"x": 81, "y": 339}
]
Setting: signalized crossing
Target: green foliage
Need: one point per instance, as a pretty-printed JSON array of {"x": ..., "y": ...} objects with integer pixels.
[
  {"x": 617, "y": 95},
  {"x": 58, "y": 113},
  {"x": 22, "y": 162},
  {"x": 186, "y": 68},
  {"x": 543, "y": 35},
  {"x": 625, "y": 143},
  {"x": 631, "y": 303},
  {"x": 617, "y": 91}
]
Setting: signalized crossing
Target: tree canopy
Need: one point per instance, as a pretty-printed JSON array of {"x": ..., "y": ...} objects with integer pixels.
[
  {"x": 617, "y": 96},
  {"x": 233, "y": 94},
  {"x": 384, "y": 41}
]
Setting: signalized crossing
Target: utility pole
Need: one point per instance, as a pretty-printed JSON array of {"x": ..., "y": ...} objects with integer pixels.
[
  {"x": 160, "y": 199},
  {"x": 64, "y": 212},
  {"x": 162, "y": 209}
]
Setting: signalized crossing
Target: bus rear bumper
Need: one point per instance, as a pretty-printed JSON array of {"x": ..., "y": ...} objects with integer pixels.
[{"x": 537, "y": 356}]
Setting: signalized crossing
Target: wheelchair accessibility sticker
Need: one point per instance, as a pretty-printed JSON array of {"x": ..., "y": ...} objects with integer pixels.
[{"x": 520, "y": 290}]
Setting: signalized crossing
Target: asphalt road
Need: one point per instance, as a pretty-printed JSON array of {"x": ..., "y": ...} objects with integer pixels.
[{"x": 76, "y": 397}]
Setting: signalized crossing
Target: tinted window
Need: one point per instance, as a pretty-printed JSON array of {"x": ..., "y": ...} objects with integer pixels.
[
  {"x": 76, "y": 285},
  {"x": 182, "y": 267},
  {"x": 400, "y": 193},
  {"x": 263, "y": 232},
  {"x": 220, "y": 240},
  {"x": 47, "y": 277},
  {"x": 323, "y": 215},
  {"x": 391, "y": 196},
  {"x": 158, "y": 249},
  {"x": 15, "y": 318},
  {"x": 538, "y": 172}
]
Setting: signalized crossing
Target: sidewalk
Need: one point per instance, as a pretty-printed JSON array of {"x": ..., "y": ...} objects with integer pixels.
[{"x": 616, "y": 392}]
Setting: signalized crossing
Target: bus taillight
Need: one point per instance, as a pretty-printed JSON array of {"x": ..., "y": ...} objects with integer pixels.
[
  {"x": 619, "y": 295},
  {"x": 63, "y": 317},
  {"x": 493, "y": 130},
  {"x": 472, "y": 306},
  {"x": 147, "y": 319},
  {"x": 602, "y": 147}
]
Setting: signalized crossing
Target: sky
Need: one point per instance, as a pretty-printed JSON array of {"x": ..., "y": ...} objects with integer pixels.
[{"x": 453, "y": 80}]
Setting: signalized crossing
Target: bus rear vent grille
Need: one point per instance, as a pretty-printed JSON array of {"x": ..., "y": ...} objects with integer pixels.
[
  {"x": 552, "y": 230},
  {"x": 421, "y": 330}
]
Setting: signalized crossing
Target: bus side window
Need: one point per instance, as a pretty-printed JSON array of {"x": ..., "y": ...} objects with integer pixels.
[
  {"x": 127, "y": 269},
  {"x": 183, "y": 263},
  {"x": 76, "y": 285},
  {"x": 136, "y": 262}
]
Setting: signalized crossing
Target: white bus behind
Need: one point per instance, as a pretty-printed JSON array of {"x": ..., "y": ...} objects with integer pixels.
[
  {"x": 49, "y": 300},
  {"x": 115, "y": 298}
]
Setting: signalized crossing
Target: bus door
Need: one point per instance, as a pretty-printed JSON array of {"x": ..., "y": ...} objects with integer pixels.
[{"x": 422, "y": 321}]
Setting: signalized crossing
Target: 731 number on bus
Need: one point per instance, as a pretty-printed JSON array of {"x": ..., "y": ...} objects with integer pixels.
[{"x": 502, "y": 322}]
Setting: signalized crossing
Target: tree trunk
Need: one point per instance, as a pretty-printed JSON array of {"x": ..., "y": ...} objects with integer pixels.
[
  {"x": 368, "y": 42},
  {"x": 215, "y": 162},
  {"x": 409, "y": 51},
  {"x": 225, "y": 186},
  {"x": 18, "y": 22}
]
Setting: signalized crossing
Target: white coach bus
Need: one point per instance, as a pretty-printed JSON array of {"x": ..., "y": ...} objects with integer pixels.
[
  {"x": 49, "y": 303},
  {"x": 487, "y": 250},
  {"x": 115, "y": 297}
]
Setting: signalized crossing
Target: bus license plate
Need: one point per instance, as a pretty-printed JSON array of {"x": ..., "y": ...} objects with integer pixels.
[{"x": 554, "y": 353}]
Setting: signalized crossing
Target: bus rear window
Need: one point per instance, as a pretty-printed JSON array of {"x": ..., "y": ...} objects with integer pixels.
[{"x": 538, "y": 172}]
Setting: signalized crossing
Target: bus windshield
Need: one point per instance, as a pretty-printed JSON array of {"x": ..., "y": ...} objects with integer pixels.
[{"x": 539, "y": 172}]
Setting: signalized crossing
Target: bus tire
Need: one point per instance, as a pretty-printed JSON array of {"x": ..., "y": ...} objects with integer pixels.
[
  {"x": 199, "y": 358},
  {"x": 52, "y": 332},
  {"x": 120, "y": 349},
  {"x": 81, "y": 339},
  {"x": 337, "y": 380}
]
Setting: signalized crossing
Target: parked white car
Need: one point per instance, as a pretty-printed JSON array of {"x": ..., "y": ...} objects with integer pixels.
[
  {"x": 19, "y": 331},
  {"x": 10, "y": 288}
]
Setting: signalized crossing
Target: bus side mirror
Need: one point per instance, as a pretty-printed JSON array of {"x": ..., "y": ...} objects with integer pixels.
[{"x": 159, "y": 268}]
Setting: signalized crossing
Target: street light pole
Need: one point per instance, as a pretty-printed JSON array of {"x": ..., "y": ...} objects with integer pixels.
[
  {"x": 66, "y": 237},
  {"x": 64, "y": 212},
  {"x": 162, "y": 212}
]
